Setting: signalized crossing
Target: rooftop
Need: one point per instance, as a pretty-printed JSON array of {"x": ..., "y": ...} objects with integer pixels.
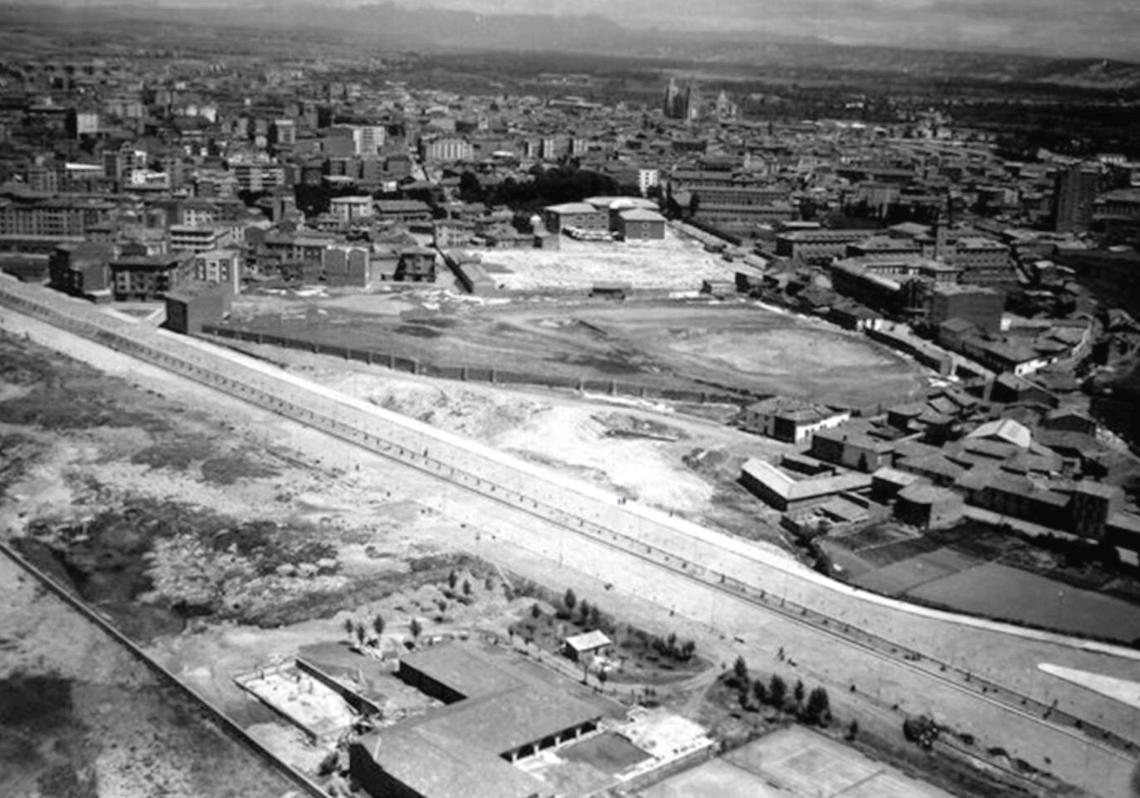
[
  {"x": 780, "y": 483},
  {"x": 438, "y": 765},
  {"x": 588, "y": 640},
  {"x": 1006, "y": 430},
  {"x": 641, "y": 215},
  {"x": 571, "y": 207},
  {"x": 505, "y": 706}
]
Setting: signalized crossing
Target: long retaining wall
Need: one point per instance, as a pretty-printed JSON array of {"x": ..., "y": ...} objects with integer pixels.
[
  {"x": 875, "y": 624},
  {"x": 168, "y": 679}
]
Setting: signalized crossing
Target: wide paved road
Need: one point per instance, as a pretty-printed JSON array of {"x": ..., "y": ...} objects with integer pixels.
[{"x": 977, "y": 677}]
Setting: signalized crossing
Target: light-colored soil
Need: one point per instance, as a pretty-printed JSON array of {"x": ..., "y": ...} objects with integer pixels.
[
  {"x": 785, "y": 351},
  {"x": 697, "y": 346},
  {"x": 1125, "y": 690},
  {"x": 99, "y": 723},
  {"x": 676, "y": 263},
  {"x": 694, "y": 475}
]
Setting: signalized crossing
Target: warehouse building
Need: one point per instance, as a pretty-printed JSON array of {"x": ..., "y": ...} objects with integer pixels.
[
  {"x": 639, "y": 224},
  {"x": 577, "y": 216},
  {"x": 496, "y": 711},
  {"x": 788, "y": 491}
]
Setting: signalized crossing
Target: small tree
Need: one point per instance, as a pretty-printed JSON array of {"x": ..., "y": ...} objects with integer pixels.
[
  {"x": 416, "y": 628},
  {"x": 777, "y": 691},
  {"x": 818, "y": 709},
  {"x": 583, "y": 611},
  {"x": 350, "y": 627},
  {"x": 329, "y": 764},
  {"x": 569, "y": 599},
  {"x": 361, "y": 634},
  {"x": 452, "y": 580},
  {"x": 467, "y": 587},
  {"x": 853, "y": 730},
  {"x": 740, "y": 671},
  {"x": 798, "y": 692},
  {"x": 378, "y": 624},
  {"x": 688, "y": 649},
  {"x": 535, "y": 611},
  {"x": 759, "y": 691},
  {"x": 595, "y": 617}
]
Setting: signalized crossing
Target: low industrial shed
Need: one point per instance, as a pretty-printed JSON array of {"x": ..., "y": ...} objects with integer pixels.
[
  {"x": 639, "y": 224},
  {"x": 780, "y": 490},
  {"x": 196, "y": 304}
]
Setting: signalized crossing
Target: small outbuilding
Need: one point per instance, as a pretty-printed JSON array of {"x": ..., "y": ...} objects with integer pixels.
[
  {"x": 584, "y": 645},
  {"x": 195, "y": 304}
]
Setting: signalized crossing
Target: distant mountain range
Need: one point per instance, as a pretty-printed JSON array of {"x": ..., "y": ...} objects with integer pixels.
[{"x": 392, "y": 26}]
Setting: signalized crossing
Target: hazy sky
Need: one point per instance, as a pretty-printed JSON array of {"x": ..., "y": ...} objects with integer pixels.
[
  {"x": 1065, "y": 27},
  {"x": 1086, "y": 27}
]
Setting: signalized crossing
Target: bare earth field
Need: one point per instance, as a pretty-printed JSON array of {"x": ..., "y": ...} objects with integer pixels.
[
  {"x": 79, "y": 716},
  {"x": 218, "y": 548},
  {"x": 697, "y": 345},
  {"x": 676, "y": 263},
  {"x": 642, "y": 450}
]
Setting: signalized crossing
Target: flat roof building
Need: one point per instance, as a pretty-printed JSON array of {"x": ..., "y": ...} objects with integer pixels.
[
  {"x": 497, "y": 711},
  {"x": 783, "y": 491}
]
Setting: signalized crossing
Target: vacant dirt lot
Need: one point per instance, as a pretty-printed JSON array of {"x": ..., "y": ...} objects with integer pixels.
[
  {"x": 693, "y": 345},
  {"x": 645, "y": 451},
  {"x": 80, "y": 717},
  {"x": 676, "y": 263}
]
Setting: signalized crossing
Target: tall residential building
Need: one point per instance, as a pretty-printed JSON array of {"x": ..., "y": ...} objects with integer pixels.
[
  {"x": 117, "y": 164},
  {"x": 1073, "y": 197},
  {"x": 448, "y": 149},
  {"x": 351, "y": 209},
  {"x": 219, "y": 266},
  {"x": 196, "y": 239},
  {"x": 255, "y": 177},
  {"x": 284, "y": 132},
  {"x": 647, "y": 178},
  {"x": 54, "y": 216},
  {"x": 368, "y": 140}
]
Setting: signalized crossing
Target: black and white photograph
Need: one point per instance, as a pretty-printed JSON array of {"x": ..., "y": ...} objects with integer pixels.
[{"x": 576, "y": 399}]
